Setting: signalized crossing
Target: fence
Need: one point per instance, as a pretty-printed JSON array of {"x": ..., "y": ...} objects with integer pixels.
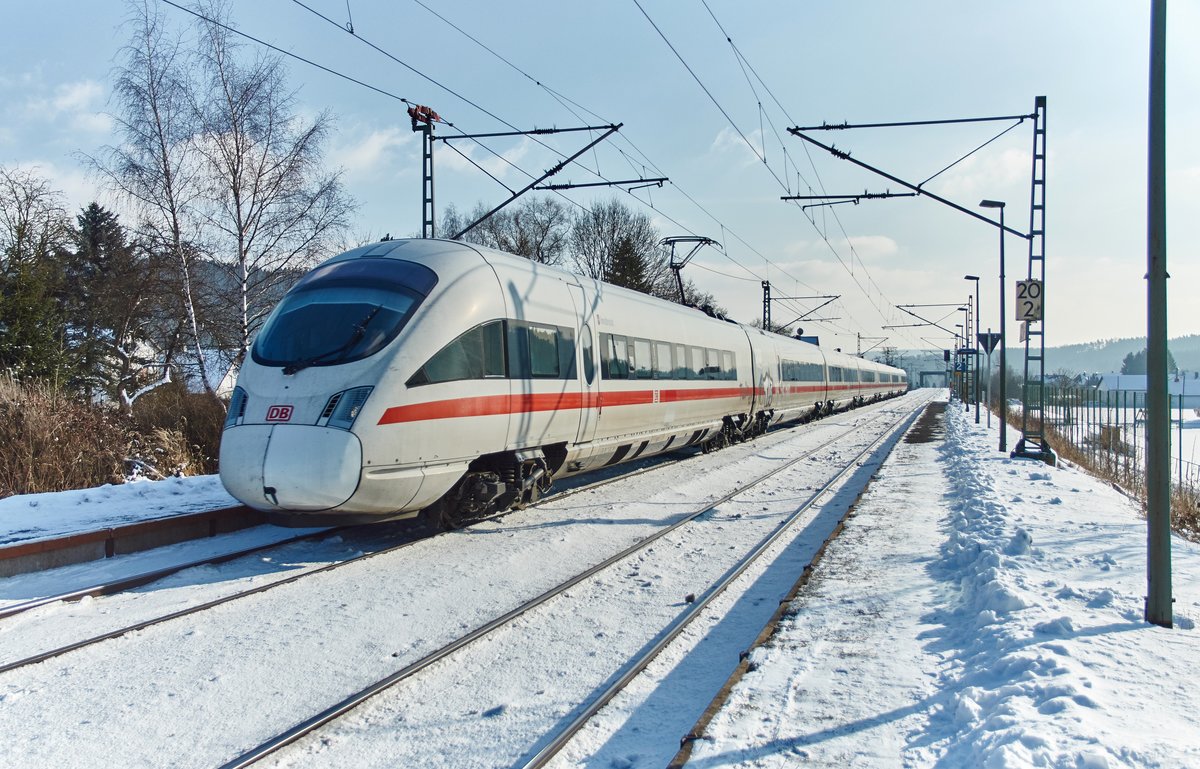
[{"x": 1105, "y": 430}]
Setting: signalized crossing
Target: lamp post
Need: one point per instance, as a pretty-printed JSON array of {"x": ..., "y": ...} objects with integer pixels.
[
  {"x": 1003, "y": 342},
  {"x": 976, "y": 279},
  {"x": 958, "y": 343}
]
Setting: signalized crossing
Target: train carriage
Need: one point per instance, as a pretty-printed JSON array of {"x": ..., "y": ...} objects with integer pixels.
[{"x": 426, "y": 374}]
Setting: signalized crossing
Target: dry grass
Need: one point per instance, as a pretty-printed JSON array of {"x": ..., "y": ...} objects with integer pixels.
[
  {"x": 181, "y": 430},
  {"x": 52, "y": 443},
  {"x": 55, "y": 443}
]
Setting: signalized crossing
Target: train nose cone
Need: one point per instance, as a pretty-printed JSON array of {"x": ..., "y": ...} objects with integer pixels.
[{"x": 290, "y": 467}]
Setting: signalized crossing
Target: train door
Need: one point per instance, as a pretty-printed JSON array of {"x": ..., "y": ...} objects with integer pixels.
[{"x": 589, "y": 368}]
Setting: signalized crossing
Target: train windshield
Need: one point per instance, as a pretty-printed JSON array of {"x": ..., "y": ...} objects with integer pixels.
[{"x": 342, "y": 312}]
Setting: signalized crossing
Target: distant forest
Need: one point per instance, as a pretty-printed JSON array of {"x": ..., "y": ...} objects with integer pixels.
[
  {"x": 1102, "y": 357},
  {"x": 1106, "y": 356}
]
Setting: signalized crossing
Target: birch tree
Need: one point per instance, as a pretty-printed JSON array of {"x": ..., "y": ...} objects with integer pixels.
[
  {"x": 157, "y": 168},
  {"x": 272, "y": 208}
]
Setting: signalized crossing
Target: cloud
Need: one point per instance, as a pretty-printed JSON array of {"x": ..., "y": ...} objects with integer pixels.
[
  {"x": 500, "y": 165},
  {"x": 375, "y": 153},
  {"x": 77, "y": 97},
  {"x": 978, "y": 174},
  {"x": 78, "y": 188},
  {"x": 873, "y": 248},
  {"x": 729, "y": 142},
  {"x": 75, "y": 105}
]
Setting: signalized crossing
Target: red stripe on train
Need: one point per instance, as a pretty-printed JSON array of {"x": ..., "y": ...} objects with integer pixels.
[{"x": 525, "y": 403}]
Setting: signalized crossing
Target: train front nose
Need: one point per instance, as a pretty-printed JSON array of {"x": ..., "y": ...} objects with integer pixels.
[{"x": 290, "y": 467}]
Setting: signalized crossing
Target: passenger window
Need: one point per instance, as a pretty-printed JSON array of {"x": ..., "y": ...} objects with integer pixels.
[
  {"x": 477, "y": 354},
  {"x": 662, "y": 360},
  {"x": 712, "y": 364},
  {"x": 728, "y": 366},
  {"x": 681, "y": 364},
  {"x": 697, "y": 363},
  {"x": 543, "y": 353},
  {"x": 615, "y": 357},
  {"x": 641, "y": 359}
]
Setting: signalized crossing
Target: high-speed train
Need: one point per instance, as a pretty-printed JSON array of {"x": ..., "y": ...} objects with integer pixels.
[{"x": 412, "y": 375}]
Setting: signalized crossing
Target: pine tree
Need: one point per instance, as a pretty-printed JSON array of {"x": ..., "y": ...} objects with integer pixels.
[{"x": 1135, "y": 363}]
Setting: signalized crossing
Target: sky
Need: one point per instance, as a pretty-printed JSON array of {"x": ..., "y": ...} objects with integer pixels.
[{"x": 711, "y": 116}]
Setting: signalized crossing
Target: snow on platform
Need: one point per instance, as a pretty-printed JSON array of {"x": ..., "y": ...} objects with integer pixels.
[{"x": 978, "y": 611}]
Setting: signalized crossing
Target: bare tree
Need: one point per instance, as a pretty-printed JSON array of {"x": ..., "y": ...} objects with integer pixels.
[
  {"x": 156, "y": 167},
  {"x": 613, "y": 243},
  {"x": 272, "y": 208},
  {"x": 538, "y": 228},
  {"x": 33, "y": 221}
]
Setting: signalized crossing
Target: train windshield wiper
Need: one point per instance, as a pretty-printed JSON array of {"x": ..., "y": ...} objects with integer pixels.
[{"x": 360, "y": 329}]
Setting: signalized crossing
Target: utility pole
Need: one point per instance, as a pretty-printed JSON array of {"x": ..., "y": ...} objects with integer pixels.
[
  {"x": 423, "y": 119},
  {"x": 1159, "y": 608}
]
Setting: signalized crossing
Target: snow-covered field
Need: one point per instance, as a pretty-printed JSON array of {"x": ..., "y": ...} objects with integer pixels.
[{"x": 977, "y": 611}]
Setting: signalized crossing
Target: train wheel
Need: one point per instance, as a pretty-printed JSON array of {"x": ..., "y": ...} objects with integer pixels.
[{"x": 444, "y": 515}]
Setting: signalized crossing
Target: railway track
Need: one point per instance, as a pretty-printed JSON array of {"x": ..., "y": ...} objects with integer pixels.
[
  {"x": 553, "y": 742},
  {"x": 277, "y": 613},
  {"x": 123, "y": 584}
]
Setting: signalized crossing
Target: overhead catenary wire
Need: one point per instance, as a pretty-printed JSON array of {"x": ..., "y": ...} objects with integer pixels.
[
  {"x": 329, "y": 70},
  {"x": 783, "y": 184},
  {"x": 558, "y": 96},
  {"x": 825, "y": 212}
]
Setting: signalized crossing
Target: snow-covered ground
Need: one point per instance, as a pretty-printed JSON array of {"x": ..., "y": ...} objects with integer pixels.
[
  {"x": 28, "y": 517},
  {"x": 977, "y": 611}
]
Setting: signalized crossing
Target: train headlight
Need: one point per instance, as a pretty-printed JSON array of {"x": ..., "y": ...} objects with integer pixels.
[
  {"x": 237, "y": 408},
  {"x": 343, "y": 408}
]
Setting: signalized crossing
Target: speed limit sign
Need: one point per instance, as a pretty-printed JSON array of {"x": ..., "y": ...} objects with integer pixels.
[{"x": 1029, "y": 300}]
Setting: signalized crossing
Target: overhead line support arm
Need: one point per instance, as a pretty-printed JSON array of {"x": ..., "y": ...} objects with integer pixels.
[
  {"x": 534, "y": 132},
  {"x": 846, "y": 156},
  {"x": 558, "y": 167},
  {"x": 846, "y": 126}
]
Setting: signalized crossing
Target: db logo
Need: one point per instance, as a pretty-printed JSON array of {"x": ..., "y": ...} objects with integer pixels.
[{"x": 279, "y": 413}]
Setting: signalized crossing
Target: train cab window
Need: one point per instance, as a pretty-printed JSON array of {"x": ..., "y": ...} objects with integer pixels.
[
  {"x": 614, "y": 357},
  {"x": 643, "y": 364},
  {"x": 477, "y": 354},
  {"x": 662, "y": 361},
  {"x": 342, "y": 312}
]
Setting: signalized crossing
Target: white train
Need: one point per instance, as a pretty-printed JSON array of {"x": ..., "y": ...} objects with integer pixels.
[{"x": 415, "y": 374}]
